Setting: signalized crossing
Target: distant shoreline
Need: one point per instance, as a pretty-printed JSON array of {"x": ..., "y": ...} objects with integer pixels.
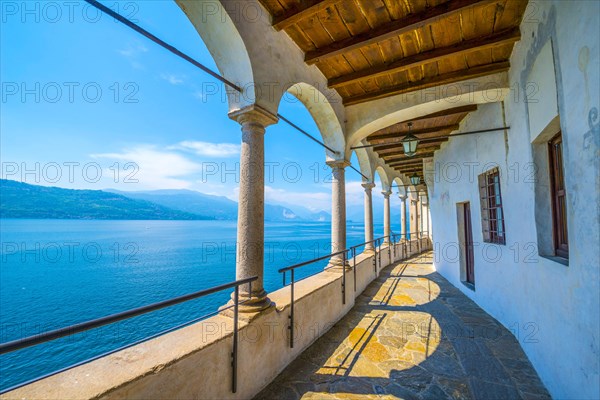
[{"x": 187, "y": 220}]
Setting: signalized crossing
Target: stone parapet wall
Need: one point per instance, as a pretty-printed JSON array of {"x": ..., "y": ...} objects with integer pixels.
[{"x": 195, "y": 361}]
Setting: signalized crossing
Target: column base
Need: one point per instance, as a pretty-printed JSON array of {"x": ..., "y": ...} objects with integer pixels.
[
  {"x": 335, "y": 264},
  {"x": 369, "y": 251},
  {"x": 257, "y": 303}
]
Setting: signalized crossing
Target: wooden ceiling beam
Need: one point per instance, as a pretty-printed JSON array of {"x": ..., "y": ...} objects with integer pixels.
[
  {"x": 421, "y": 133},
  {"x": 446, "y": 113},
  {"x": 383, "y": 148},
  {"x": 394, "y": 162},
  {"x": 396, "y": 147},
  {"x": 391, "y": 29},
  {"x": 409, "y": 169},
  {"x": 420, "y": 165},
  {"x": 509, "y": 36},
  {"x": 418, "y": 155},
  {"x": 409, "y": 173},
  {"x": 444, "y": 79},
  {"x": 399, "y": 152},
  {"x": 304, "y": 10}
]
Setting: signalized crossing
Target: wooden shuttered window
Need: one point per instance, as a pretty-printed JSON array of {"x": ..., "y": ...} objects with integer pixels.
[
  {"x": 559, "y": 198},
  {"x": 492, "y": 213}
]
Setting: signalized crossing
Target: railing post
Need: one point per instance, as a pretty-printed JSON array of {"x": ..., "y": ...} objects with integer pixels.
[
  {"x": 344, "y": 277},
  {"x": 235, "y": 340},
  {"x": 354, "y": 266},
  {"x": 379, "y": 242},
  {"x": 291, "y": 316},
  {"x": 375, "y": 257}
]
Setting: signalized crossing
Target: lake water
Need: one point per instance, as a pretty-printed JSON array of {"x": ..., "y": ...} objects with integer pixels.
[{"x": 55, "y": 273}]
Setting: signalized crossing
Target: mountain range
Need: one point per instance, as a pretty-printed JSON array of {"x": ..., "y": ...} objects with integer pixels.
[{"x": 22, "y": 200}]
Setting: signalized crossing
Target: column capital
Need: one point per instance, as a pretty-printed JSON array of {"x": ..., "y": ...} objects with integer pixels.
[
  {"x": 402, "y": 197},
  {"x": 253, "y": 114},
  {"x": 386, "y": 193},
  {"x": 368, "y": 186},
  {"x": 338, "y": 164}
]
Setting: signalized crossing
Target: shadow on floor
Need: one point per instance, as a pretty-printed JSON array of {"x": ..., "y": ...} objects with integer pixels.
[{"x": 411, "y": 335}]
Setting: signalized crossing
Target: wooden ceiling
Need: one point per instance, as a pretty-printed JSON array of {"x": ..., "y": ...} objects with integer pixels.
[
  {"x": 369, "y": 49},
  {"x": 432, "y": 130}
]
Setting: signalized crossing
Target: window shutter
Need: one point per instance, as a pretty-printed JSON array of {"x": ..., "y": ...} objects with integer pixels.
[{"x": 483, "y": 201}]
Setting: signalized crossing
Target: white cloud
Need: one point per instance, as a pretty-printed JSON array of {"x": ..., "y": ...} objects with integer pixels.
[
  {"x": 133, "y": 51},
  {"x": 156, "y": 169},
  {"x": 217, "y": 189},
  {"x": 208, "y": 149},
  {"x": 172, "y": 79},
  {"x": 200, "y": 95},
  {"x": 355, "y": 193},
  {"x": 315, "y": 201}
]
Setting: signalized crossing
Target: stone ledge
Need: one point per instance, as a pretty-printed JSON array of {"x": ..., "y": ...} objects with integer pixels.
[{"x": 132, "y": 372}]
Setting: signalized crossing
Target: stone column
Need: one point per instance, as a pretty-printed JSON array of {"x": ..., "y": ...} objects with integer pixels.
[
  {"x": 338, "y": 210},
  {"x": 420, "y": 215},
  {"x": 251, "y": 206},
  {"x": 403, "y": 220},
  {"x": 369, "y": 248},
  {"x": 425, "y": 215},
  {"x": 386, "y": 216},
  {"x": 428, "y": 218},
  {"x": 414, "y": 218}
]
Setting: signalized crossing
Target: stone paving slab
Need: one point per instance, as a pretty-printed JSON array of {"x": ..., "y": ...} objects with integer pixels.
[{"x": 411, "y": 335}]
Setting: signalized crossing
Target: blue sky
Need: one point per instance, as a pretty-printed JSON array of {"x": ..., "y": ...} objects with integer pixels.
[{"x": 89, "y": 103}]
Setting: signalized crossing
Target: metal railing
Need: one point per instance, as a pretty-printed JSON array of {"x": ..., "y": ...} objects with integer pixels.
[
  {"x": 394, "y": 239},
  {"x": 35, "y": 340}
]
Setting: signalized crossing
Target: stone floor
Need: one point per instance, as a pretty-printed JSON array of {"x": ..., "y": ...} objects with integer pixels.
[{"x": 411, "y": 335}]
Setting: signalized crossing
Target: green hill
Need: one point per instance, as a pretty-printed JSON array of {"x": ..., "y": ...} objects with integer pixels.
[{"x": 21, "y": 200}]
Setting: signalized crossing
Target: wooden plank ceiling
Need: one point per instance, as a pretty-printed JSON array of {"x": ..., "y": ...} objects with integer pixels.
[
  {"x": 370, "y": 49},
  {"x": 432, "y": 130}
]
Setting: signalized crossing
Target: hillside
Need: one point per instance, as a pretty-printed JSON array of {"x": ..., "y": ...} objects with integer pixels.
[
  {"x": 219, "y": 207},
  {"x": 21, "y": 200}
]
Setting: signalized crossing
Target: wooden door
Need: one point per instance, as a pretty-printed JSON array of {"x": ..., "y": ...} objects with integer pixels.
[{"x": 469, "y": 254}]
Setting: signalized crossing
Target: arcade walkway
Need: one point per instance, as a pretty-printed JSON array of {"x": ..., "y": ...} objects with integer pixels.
[{"x": 411, "y": 335}]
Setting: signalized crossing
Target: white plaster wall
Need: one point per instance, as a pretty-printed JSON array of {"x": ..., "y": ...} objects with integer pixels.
[{"x": 553, "y": 309}]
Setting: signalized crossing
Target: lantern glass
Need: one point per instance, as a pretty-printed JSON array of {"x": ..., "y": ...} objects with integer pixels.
[
  {"x": 410, "y": 143},
  {"x": 415, "y": 179}
]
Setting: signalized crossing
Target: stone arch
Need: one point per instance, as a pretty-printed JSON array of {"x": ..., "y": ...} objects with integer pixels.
[
  {"x": 225, "y": 44},
  {"x": 364, "y": 119},
  {"x": 383, "y": 177},
  {"x": 401, "y": 188},
  {"x": 324, "y": 115},
  {"x": 365, "y": 164}
]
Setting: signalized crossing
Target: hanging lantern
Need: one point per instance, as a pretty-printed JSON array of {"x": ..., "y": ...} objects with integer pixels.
[
  {"x": 410, "y": 142},
  {"x": 415, "y": 179}
]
